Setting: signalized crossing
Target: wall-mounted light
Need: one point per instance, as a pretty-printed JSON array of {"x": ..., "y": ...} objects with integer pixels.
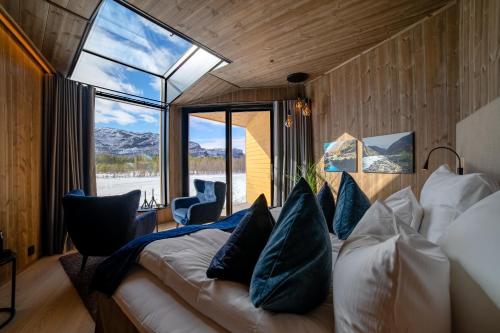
[{"x": 460, "y": 170}]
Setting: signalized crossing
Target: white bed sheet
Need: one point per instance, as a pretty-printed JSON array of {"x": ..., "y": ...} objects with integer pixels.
[
  {"x": 181, "y": 264},
  {"x": 153, "y": 307}
]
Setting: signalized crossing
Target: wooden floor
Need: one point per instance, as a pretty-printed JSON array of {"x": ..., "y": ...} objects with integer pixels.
[{"x": 46, "y": 301}]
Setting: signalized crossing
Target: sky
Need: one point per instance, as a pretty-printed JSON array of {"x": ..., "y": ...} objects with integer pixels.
[
  {"x": 212, "y": 134},
  {"x": 121, "y": 34},
  {"x": 384, "y": 141}
]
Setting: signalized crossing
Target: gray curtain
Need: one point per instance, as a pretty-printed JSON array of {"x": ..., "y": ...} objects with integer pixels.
[
  {"x": 68, "y": 158},
  {"x": 292, "y": 148}
]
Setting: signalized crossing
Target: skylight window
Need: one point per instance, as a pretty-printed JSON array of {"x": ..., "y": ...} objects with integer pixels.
[
  {"x": 128, "y": 53},
  {"x": 121, "y": 34}
]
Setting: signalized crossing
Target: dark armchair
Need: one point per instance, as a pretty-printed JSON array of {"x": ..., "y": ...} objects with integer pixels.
[
  {"x": 98, "y": 226},
  {"x": 205, "y": 207}
]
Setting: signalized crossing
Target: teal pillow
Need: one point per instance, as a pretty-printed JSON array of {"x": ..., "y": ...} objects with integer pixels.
[
  {"x": 236, "y": 259},
  {"x": 352, "y": 204},
  {"x": 327, "y": 204},
  {"x": 294, "y": 270}
]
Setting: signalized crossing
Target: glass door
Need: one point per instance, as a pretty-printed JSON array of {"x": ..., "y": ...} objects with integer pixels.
[
  {"x": 232, "y": 145},
  {"x": 251, "y": 162},
  {"x": 206, "y": 148}
]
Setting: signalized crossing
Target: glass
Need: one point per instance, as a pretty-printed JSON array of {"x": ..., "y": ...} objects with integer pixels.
[
  {"x": 251, "y": 142},
  {"x": 100, "y": 72},
  {"x": 121, "y": 34},
  {"x": 195, "y": 67},
  {"x": 207, "y": 148},
  {"x": 127, "y": 148}
]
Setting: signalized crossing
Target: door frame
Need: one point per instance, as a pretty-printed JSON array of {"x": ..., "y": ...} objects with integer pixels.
[{"x": 229, "y": 109}]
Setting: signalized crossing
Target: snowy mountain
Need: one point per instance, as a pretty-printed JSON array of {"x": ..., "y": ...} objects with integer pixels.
[{"x": 114, "y": 141}]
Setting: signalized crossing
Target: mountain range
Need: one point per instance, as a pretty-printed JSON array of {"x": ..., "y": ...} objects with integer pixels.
[
  {"x": 114, "y": 141},
  {"x": 404, "y": 144}
]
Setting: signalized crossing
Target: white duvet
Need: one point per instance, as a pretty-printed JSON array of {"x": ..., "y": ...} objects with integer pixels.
[{"x": 181, "y": 263}]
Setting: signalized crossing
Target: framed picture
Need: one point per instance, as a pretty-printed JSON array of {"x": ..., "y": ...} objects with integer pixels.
[
  {"x": 341, "y": 155},
  {"x": 391, "y": 153}
]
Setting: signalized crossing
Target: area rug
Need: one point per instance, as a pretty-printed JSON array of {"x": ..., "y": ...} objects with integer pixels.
[{"x": 81, "y": 280}]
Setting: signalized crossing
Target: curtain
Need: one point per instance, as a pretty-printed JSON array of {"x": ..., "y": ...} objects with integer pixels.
[
  {"x": 68, "y": 157},
  {"x": 292, "y": 148}
]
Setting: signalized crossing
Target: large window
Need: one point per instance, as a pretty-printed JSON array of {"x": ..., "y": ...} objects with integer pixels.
[
  {"x": 127, "y": 147},
  {"x": 138, "y": 66}
]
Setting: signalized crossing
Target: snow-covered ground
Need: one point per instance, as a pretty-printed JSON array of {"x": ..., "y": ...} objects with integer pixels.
[{"x": 111, "y": 186}]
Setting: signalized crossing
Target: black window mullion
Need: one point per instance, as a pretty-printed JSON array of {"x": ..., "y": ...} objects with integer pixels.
[{"x": 229, "y": 163}]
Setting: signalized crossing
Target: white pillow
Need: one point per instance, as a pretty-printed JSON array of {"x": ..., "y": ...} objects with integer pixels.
[
  {"x": 405, "y": 205},
  {"x": 472, "y": 243},
  {"x": 388, "y": 278},
  {"x": 446, "y": 195}
]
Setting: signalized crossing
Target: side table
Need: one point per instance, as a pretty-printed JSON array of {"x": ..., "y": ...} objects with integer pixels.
[{"x": 7, "y": 257}]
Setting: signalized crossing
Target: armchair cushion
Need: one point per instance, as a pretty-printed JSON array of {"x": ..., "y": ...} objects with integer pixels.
[{"x": 208, "y": 192}]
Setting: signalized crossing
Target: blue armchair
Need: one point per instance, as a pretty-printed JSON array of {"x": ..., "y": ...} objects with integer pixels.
[
  {"x": 205, "y": 207},
  {"x": 98, "y": 226}
]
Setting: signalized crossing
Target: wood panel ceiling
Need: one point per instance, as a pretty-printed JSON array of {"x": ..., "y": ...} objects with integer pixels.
[
  {"x": 268, "y": 39},
  {"x": 265, "y": 39},
  {"x": 55, "y": 26}
]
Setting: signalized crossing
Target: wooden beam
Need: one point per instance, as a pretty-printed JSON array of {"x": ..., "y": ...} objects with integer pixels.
[{"x": 24, "y": 40}]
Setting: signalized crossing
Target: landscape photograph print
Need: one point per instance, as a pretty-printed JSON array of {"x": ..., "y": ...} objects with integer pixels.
[
  {"x": 391, "y": 153},
  {"x": 340, "y": 155}
]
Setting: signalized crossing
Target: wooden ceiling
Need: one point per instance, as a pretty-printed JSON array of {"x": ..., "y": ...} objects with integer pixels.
[
  {"x": 265, "y": 39},
  {"x": 55, "y": 26},
  {"x": 269, "y": 39}
]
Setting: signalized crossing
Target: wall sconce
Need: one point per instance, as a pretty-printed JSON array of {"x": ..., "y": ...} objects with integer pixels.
[{"x": 460, "y": 170}]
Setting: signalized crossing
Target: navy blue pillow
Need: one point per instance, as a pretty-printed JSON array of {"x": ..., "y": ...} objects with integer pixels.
[
  {"x": 327, "y": 204},
  {"x": 236, "y": 259},
  {"x": 294, "y": 270},
  {"x": 352, "y": 204}
]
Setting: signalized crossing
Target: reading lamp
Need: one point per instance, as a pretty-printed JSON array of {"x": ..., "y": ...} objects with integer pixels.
[{"x": 460, "y": 170}]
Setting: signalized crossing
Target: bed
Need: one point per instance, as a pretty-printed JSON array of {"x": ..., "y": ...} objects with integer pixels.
[{"x": 149, "y": 300}]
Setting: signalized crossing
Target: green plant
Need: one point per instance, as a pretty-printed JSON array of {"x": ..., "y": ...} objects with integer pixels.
[{"x": 310, "y": 174}]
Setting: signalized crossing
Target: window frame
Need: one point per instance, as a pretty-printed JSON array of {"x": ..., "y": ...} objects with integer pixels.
[
  {"x": 161, "y": 104},
  {"x": 228, "y": 109}
]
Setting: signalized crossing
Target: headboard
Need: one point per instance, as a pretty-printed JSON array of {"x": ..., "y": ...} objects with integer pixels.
[
  {"x": 474, "y": 248},
  {"x": 478, "y": 140}
]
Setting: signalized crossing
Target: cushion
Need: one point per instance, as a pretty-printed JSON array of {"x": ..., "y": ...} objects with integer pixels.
[
  {"x": 181, "y": 212},
  {"x": 236, "y": 259},
  {"x": 293, "y": 272},
  {"x": 472, "y": 244},
  {"x": 405, "y": 205},
  {"x": 352, "y": 204},
  {"x": 327, "y": 204},
  {"x": 77, "y": 192},
  {"x": 181, "y": 264},
  {"x": 445, "y": 195},
  {"x": 208, "y": 194},
  {"x": 388, "y": 278}
]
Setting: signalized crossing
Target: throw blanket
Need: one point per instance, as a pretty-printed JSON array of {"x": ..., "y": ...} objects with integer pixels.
[{"x": 111, "y": 271}]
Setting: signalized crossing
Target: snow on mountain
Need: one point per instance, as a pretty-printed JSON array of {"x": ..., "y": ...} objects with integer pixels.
[{"x": 114, "y": 141}]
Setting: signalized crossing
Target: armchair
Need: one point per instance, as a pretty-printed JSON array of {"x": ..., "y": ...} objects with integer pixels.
[
  {"x": 205, "y": 207},
  {"x": 98, "y": 226}
]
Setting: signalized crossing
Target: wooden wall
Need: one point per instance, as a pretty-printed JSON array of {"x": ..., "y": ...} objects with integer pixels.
[
  {"x": 479, "y": 53},
  {"x": 407, "y": 83},
  {"x": 258, "y": 156},
  {"x": 20, "y": 149}
]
